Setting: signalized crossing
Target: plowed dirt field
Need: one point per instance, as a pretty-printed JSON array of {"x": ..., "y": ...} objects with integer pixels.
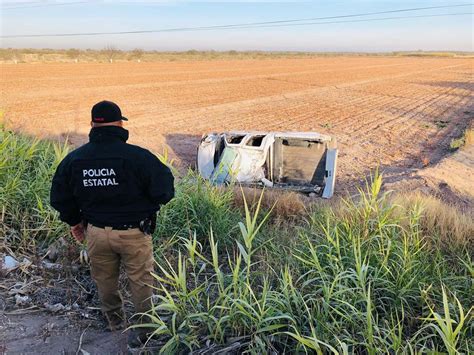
[{"x": 396, "y": 113}]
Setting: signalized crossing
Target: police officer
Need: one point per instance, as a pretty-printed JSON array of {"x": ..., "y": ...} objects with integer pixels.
[{"x": 109, "y": 192}]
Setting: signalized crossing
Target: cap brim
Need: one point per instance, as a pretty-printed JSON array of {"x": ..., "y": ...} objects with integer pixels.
[{"x": 124, "y": 118}]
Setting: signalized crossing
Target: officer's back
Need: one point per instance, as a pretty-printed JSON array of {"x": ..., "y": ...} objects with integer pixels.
[
  {"x": 109, "y": 182},
  {"x": 109, "y": 192}
]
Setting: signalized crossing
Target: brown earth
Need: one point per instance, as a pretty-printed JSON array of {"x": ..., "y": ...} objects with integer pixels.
[
  {"x": 45, "y": 310},
  {"x": 396, "y": 113},
  {"x": 43, "y": 333},
  {"x": 399, "y": 113}
]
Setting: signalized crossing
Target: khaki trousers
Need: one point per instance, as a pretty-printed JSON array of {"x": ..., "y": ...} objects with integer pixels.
[{"x": 107, "y": 249}]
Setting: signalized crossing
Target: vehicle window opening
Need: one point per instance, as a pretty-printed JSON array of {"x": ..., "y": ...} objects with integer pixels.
[
  {"x": 255, "y": 141},
  {"x": 235, "y": 139},
  {"x": 219, "y": 149}
]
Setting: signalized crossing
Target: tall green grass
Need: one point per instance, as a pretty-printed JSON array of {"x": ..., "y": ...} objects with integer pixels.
[
  {"x": 365, "y": 276},
  {"x": 197, "y": 206},
  {"x": 27, "y": 166},
  {"x": 358, "y": 281}
]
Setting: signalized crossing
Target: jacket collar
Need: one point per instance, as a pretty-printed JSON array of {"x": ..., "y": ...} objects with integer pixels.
[{"x": 108, "y": 134}]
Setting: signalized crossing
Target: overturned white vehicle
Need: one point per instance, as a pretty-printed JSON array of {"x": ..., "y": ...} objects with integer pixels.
[{"x": 299, "y": 161}]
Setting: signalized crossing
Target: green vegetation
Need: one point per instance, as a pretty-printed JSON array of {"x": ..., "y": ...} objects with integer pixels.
[
  {"x": 440, "y": 124},
  {"x": 467, "y": 138},
  {"x": 26, "y": 168},
  {"x": 457, "y": 143},
  {"x": 371, "y": 274}
]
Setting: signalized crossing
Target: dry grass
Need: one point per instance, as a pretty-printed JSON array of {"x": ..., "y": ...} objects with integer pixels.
[
  {"x": 445, "y": 224},
  {"x": 469, "y": 136},
  {"x": 465, "y": 140},
  {"x": 441, "y": 223},
  {"x": 286, "y": 205}
]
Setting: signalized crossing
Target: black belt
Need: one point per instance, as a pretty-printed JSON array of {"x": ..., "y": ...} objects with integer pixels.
[{"x": 120, "y": 227}]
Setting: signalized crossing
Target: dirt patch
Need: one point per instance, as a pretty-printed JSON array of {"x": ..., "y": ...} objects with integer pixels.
[
  {"x": 43, "y": 333},
  {"x": 455, "y": 170},
  {"x": 53, "y": 308},
  {"x": 450, "y": 179}
]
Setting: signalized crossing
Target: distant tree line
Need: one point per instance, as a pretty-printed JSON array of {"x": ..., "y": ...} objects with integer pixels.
[{"x": 111, "y": 54}]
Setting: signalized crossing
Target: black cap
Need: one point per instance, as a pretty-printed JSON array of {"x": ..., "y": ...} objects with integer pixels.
[{"x": 106, "y": 111}]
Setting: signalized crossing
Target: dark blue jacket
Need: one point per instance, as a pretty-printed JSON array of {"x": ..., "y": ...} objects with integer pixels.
[{"x": 110, "y": 182}]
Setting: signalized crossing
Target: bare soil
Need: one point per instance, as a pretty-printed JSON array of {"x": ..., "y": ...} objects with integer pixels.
[
  {"x": 56, "y": 311},
  {"x": 397, "y": 113},
  {"x": 44, "y": 333}
]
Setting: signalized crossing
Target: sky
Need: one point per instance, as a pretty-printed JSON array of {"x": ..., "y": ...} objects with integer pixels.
[{"x": 451, "y": 33}]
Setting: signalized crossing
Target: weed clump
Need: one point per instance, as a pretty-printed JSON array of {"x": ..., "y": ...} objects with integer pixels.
[{"x": 466, "y": 139}]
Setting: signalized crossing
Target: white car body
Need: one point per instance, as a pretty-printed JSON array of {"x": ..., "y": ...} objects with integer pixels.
[{"x": 300, "y": 161}]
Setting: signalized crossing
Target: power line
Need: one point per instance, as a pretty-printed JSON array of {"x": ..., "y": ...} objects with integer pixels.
[
  {"x": 244, "y": 26},
  {"x": 191, "y": 29},
  {"x": 344, "y": 16},
  {"x": 367, "y": 20}
]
